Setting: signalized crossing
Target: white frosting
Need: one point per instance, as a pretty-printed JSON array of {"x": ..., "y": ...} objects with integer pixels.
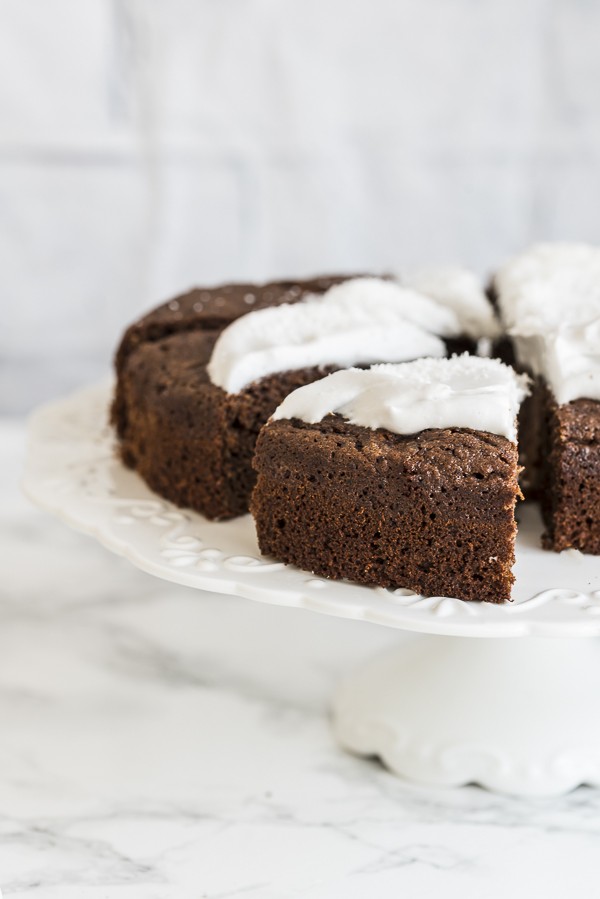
[
  {"x": 548, "y": 285},
  {"x": 461, "y": 290},
  {"x": 568, "y": 358},
  {"x": 461, "y": 392},
  {"x": 358, "y": 322},
  {"x": 549, "y": 298}
]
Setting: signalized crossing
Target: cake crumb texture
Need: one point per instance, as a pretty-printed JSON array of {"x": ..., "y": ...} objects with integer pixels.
[
  {"x": 432, "y": 512},
  {"x": 570, "y": 494}
]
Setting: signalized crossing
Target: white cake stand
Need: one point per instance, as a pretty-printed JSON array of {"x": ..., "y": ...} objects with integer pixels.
[{"x": 519, "y": 716}]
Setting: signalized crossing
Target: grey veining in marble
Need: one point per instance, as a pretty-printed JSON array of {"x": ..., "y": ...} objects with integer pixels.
[{"x": 158, "y": 743}]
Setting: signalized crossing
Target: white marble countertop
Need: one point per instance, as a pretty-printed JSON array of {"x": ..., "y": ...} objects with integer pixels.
[{"x": 161, "y": 743}]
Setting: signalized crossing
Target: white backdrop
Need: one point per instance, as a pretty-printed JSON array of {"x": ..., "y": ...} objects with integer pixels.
[{"x": 147, "y": 145}]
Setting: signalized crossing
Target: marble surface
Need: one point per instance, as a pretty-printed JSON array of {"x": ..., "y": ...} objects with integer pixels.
[{"x": 159, "y": 743}]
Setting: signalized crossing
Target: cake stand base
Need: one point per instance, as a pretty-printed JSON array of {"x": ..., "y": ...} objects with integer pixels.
[{"x": 518, "y": 716}]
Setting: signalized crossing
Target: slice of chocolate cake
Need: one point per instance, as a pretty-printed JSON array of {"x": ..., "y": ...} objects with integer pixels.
[
  {"x": 549, "y": 299},
  {"x": 198, "y": 377},
  {"x": 397, "y": 476},
  {"x": 190, "y": 440}
]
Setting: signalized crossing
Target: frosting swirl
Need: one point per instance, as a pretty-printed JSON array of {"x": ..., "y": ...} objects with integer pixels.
[{"x": 358, "y": 322}]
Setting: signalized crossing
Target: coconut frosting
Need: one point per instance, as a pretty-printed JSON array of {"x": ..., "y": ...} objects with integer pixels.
[
  {"x": 549, "y": 284},
  {"x": 549, "y": 299},
  {"x": 461, "y": 392},
  {"x": 358, "y": 322},
  {"x": 460, "y": 290}
]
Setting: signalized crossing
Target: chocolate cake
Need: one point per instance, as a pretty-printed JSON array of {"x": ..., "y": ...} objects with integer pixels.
[
  {"x": 570, "y": 487},
  {"x": 200, "y": 375},
  {"x": 549, "y": 301},
  {"x": 397, "y": 476},
  {"x": 190, "y": 441}
]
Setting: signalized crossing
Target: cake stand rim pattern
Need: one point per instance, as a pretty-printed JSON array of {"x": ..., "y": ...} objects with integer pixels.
[{"x": 71, "y": 470}]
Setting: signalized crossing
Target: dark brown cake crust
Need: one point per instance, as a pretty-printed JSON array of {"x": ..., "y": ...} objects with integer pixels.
[
  {"x": 213, "y": 308},
  {"x": 571, "y": 474},
  {"x": 432, "y": 512},
  {"x": 190, "y": 441}
]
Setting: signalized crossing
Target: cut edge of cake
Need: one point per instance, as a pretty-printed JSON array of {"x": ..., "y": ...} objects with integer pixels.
[
  {"x": 549, "y": 301},
  {"x": 430, "y": 510}
]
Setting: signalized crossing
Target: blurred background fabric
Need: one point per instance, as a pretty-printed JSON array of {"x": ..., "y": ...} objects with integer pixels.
[{"x": 150, "y": 145}]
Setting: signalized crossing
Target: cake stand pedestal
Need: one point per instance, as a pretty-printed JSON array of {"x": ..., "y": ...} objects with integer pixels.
[
  {"x": 515, "y": 715},
  {"x": 505, "y": 696}
]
